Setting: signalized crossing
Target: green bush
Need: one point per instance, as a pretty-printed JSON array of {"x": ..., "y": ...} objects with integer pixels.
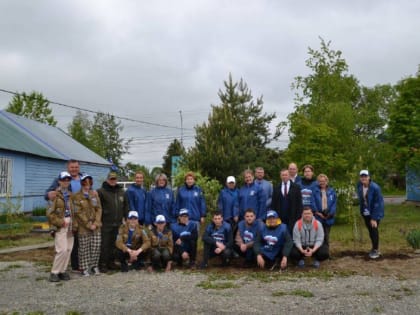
[
  {"x": 413, "y": 239},
  {"x": 39, "y": 211}
]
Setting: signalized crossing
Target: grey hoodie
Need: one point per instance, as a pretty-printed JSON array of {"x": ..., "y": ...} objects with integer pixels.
[{"x": 308, "y": 235}]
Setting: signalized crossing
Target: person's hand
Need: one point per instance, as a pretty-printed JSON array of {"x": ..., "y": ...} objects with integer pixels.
[
  {"x": 185, "y": 256},
  {"x": 243, "y": 248},
  {"x": 220, "y": 245},
  {"x": 283, "y": 263},
  {"x": 319, "y": 214},
  {"x": 52, "y": 194},
  {"x": 202, "y": 220},
  {"x": 178, "y": 242},
  {"x": 373, "y": 223},
  {"x": 217, "y": 250},
  {"x": 235, "y": 219},
  {"x": 260, "y": 261},
  {"x": 308, "y": 252},
  {"x": 93, "y": 227}
]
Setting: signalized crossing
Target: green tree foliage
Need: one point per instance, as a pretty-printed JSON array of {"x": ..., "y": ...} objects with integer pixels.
[
  {"x": 105, "y": 139},
  {"x": 404, "y": 123},
  {"x": 80, "y": 127},
  {"x": 235, "y": 136},
  {"x": 337, "y": 125},
  {"x": 175, "y": 148},
  {"x": 102, "y": 135},
  {"x": 33, "y": 106}
]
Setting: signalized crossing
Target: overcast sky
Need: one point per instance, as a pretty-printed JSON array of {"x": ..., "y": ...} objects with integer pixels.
[{"x": 148, "y": 60}]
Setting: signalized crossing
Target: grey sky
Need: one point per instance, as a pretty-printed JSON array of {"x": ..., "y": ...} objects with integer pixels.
[{"x": 148, "y": 60}]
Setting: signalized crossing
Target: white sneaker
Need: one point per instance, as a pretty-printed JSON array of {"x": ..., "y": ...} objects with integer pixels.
[
  {"x": 374, "y": 254},
  {"x": 85, "y": 273},
  {"x": 96, "y": 271}
]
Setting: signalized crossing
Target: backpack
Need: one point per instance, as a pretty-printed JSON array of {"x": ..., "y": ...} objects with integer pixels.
[{"x": 314, "y": 224}]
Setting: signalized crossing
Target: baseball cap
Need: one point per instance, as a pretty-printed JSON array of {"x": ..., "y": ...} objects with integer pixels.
[
  {"x": 85, "y": 176},
  {"x": 112, "y": 175},
  {"x": 133, "y": 214},
  {"x": 364, "y": 173},
  {"x": 64, "y": 175},
  {"x": 160, "y": 219},
  {"x": 272, "y": 214},
  {"x": 230, "y": 179},
  {"x": 183, "y": 212}
]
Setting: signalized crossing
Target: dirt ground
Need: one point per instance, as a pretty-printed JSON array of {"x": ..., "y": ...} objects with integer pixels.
[{"x": 399, "y": 265}]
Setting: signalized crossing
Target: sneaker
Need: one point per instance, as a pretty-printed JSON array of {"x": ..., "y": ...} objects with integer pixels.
[
  {"x": 374, "y": 254},
  {"x": 54, "y": 277},
  {"x": 64, "y": 276},
  {"x": 192, "y": 264},
  {"x": 301, "y": 263},
  {"x": 235, "y": 255},
  {"x": 316, "y": 264},
  {"x": 95, "y": 271},
  {"x": 85, "y": 273}
]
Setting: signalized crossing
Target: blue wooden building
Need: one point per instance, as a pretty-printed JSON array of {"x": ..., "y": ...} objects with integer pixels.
[
  {"x": 32, "y": 154},
  {"x": 413, "y": 185}
]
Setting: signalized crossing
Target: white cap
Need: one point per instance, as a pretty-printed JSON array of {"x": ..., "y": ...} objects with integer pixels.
[
  {"x": 133, "y": 214},
  {"x": 364, "y": 172},
  {"x": 160, "y": 219},
  {"x": 230, "y": 179}
]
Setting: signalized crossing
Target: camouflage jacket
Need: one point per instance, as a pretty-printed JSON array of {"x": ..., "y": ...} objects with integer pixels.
[
  {"x": 57, "y": 211},
  {"x": 162, "y": 240},
  {"x": 140, "y": 238},
  {"x": 87, "y": 211}
]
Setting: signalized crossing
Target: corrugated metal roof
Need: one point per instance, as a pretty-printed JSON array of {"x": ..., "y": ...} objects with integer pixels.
[{"x": 21, "y": 134}]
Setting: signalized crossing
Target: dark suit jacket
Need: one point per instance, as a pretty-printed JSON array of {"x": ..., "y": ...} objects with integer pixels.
[{"x": 294, "y": 196}]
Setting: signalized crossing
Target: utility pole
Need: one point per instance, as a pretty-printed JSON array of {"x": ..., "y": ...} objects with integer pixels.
[{"x": 182, "y": 129}]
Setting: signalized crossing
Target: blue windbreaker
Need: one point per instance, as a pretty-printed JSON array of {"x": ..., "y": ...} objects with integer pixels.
[
  {"x": 162, "y": 201},
  {"x": 228, "y": 203},
  {"x": 375, "y": 200},
  {"x": 187, "y": 233},
  {"x": 191, "y": 198},
  {"x": 331, "y": 204},
  {"x": 252, "y": 196},
  {"x": 138, "y": 200}
]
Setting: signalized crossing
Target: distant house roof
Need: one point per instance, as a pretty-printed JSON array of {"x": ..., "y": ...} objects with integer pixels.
[{"x": 24, "y": 135}]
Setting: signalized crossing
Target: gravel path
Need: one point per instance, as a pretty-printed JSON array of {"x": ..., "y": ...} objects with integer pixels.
[{"x": 24, "y": 288}]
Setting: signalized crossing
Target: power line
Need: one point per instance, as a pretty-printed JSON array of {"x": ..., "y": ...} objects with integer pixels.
[{"x": 96, "y": 112}]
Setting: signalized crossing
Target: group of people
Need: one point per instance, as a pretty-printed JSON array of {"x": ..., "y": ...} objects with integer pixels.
[{"x": 152, "y": 229}]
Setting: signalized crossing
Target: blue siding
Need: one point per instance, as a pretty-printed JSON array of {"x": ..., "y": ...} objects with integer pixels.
[
  {"x": 413, "y": 185},
  {"x": 32, "y": 175}
]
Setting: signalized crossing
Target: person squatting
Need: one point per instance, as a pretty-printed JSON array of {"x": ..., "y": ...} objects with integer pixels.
[{"x": 263, "y": 226}]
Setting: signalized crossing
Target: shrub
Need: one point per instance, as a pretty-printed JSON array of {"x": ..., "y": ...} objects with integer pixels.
[{"x": 413, "y": 239}]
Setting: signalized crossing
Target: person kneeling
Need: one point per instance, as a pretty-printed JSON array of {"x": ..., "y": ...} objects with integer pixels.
[
  {"x": 132, "y": 242},
  {"x": 218, "y": 240},
  {"x": 308, "y": 237},
  {"x": 273, "y": 243},
  {"x": 162, "y": 245}
]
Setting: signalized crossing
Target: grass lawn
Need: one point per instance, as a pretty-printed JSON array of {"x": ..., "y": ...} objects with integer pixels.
[
  {"x": 398, "y": 220},
  {"x": 20, "y": 235}
]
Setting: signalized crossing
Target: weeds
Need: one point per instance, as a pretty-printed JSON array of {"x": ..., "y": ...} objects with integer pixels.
[
  {"x": 297, "y": 292},
  {"x": 207, "y": 285}
]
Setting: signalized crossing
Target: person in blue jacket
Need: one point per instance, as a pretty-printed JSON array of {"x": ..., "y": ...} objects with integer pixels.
[
  {"x": 251, "y": 196},
  {"x": 162, "y": 200},
  {"x": 191, "y": 197},
  {"x": 246, "y": 235},
  {"x": 138, "y": 199},
  {"x": 184, "y": 235},
  {"x": 273, "y": 243},
  {"x": 218, "y": 240},
  {"x": 307, "y": 185},
  {"x": 228, "y": 201},
  {"x": 325, "y": 205},
  {"x": 371, "y": 208}
]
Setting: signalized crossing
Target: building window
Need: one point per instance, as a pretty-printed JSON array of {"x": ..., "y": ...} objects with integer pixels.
[{"x": 5, "y": 176}]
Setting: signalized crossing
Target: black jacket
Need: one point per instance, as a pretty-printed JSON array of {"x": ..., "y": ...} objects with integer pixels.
[
  {"x": 294, "y": 211},
  {"x": 114, "y": 204}
]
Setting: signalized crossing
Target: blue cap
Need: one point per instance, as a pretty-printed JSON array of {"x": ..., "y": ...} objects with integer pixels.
[
  {"x": 272, "y": 214},
  {"x": 64, "y": 175},
  {"x": 85, "y": 176},
  {"x": 183, "y": 212}
]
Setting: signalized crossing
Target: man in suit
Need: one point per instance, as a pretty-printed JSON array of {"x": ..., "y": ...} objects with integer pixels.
[{"x": 287, "y": 200}]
